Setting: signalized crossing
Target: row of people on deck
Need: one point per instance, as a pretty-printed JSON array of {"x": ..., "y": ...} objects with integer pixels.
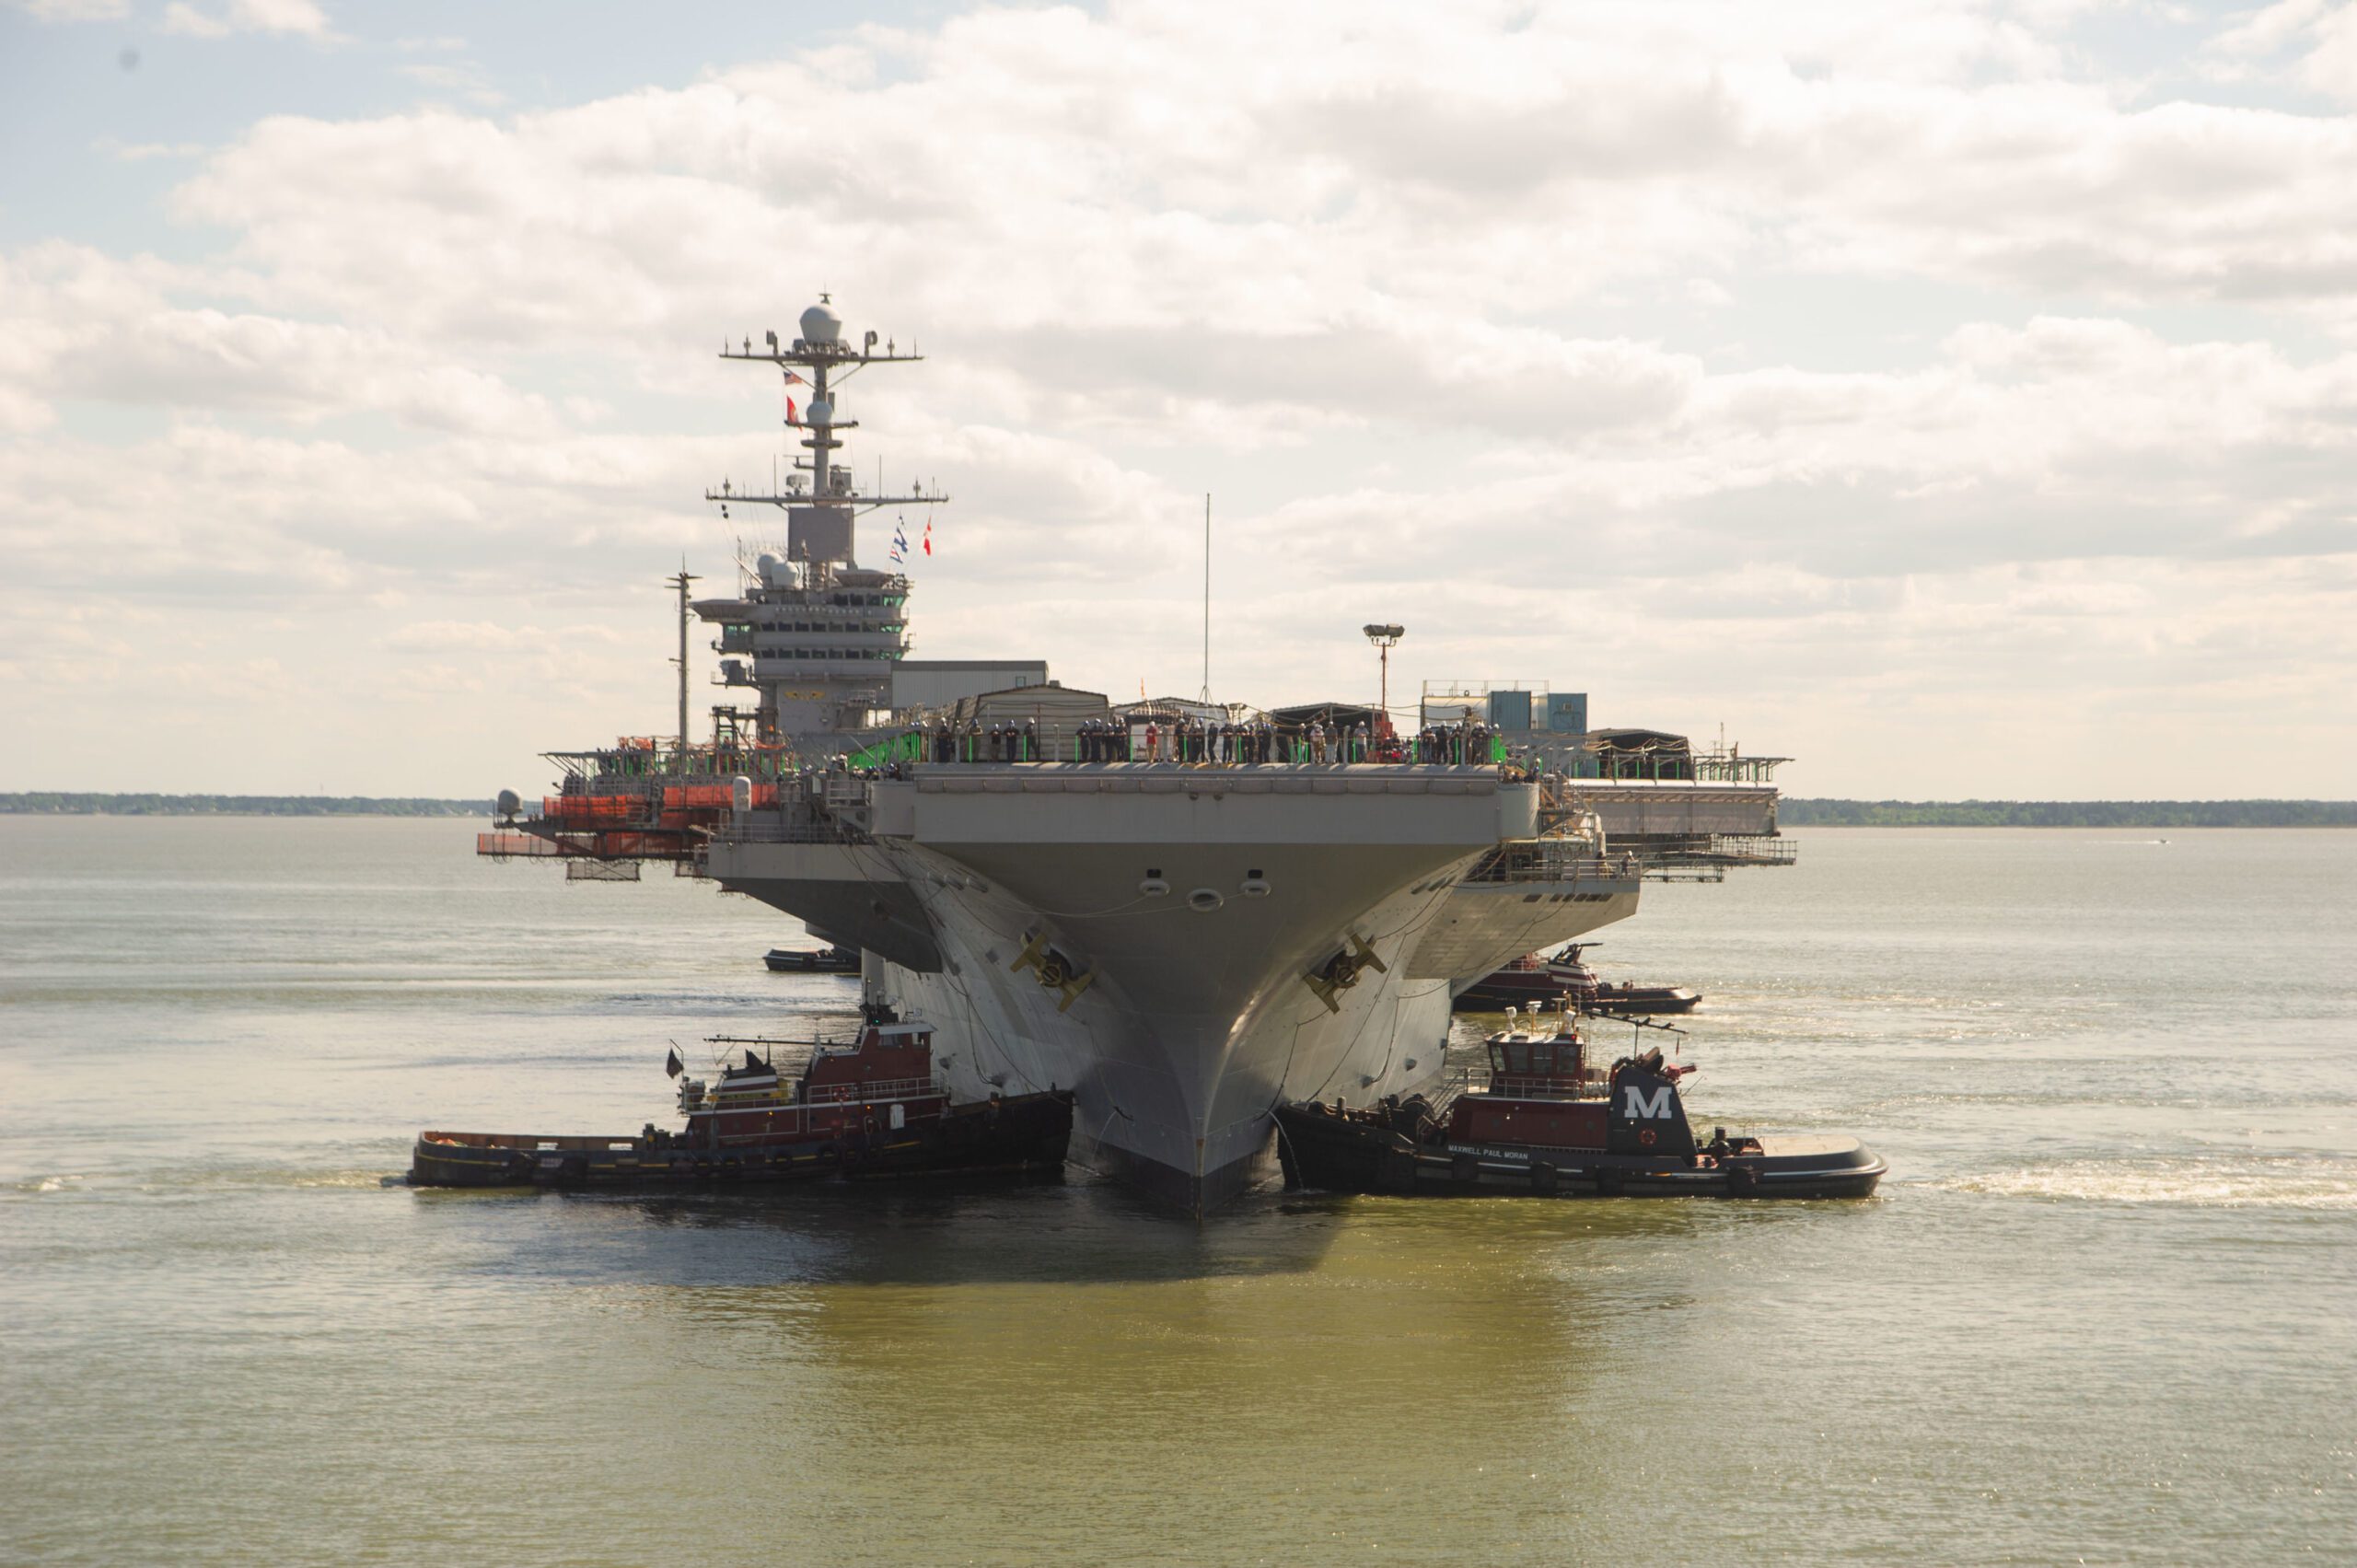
[
  {"x": 1194, "y": 742},
  {"x": 946, "y": 742}
]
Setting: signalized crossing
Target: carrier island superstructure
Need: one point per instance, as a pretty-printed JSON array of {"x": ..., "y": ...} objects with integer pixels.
[{"x": 1183, "y": 936}]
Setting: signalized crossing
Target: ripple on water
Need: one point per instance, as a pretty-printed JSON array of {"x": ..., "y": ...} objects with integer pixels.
[{"x": 2256, "y": 1181}]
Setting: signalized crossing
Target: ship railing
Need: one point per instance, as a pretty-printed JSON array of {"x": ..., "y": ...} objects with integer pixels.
[
  {"x": 787, "y": 834},
  {"x": 1593, "y": 1084},
  {"x": 1668, "y": 858},
  {"x": 1545, "y": 861},
  {"x": 881, "y": 1088},
  {"x": 1067, "y": 751},
  {"x": 1754, "y": 849}
]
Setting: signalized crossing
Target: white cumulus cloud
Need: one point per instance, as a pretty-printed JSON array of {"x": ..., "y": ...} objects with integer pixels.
[{"x": 1797, "y": 358}]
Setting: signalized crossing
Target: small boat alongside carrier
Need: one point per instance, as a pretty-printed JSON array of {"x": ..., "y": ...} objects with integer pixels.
[
  {"x": 812, "y": 960},
  {"x": 1548, "y": 1125},
  {"x": 873, "y": 1108},
  {"x": 1536, "y": 981}
]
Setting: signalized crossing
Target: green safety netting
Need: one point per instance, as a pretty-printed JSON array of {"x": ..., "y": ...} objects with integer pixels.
[{"x": 899, "y": 748}]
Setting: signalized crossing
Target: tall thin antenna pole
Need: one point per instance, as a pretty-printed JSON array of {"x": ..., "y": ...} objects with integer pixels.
[
  {"x": 1207, "y": 597},
  {"x": 681, "y": 582}
]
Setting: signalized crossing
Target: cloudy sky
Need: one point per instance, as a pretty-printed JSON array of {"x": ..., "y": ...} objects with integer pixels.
[{"x": 1961, "y": 399}]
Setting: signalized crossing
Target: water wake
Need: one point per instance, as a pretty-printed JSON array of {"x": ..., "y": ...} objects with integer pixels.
[{"x": 2280, "y": 1181}]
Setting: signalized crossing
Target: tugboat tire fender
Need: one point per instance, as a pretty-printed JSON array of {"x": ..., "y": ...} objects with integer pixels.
[
  {"x": 1542, "y": 1176},
  {"x": 1466, "y": 1168},
  {"x": 1743, "y": 1180}
]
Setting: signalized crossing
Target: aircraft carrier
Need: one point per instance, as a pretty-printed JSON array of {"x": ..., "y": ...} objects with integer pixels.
[{"x": 1186, "y": 911}]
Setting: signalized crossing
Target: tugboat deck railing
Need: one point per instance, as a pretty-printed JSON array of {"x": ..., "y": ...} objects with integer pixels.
[{"x": 882, "y": 1088}]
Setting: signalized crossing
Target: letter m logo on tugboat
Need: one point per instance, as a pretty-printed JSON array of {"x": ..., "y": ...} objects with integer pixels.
[{"x": 1659, "y": 1106}]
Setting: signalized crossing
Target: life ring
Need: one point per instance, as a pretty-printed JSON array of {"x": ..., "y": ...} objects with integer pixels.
[{"x": 1645, "y": 1135}]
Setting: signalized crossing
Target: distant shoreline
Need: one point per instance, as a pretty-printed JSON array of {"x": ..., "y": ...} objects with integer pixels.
[
  {"x": 1793, "y": 811},
  {"x": 71, "y": 803},
  {"x": 1803, "y": 812}
]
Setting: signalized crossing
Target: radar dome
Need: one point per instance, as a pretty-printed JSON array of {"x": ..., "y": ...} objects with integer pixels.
[
  {"x": 820, "y": 412},
  {"x": 821, "y": 325}
]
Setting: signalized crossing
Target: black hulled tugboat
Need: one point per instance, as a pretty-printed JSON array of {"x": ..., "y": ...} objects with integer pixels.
[
  {"x": 1548, "y": 1125},
  {"x": 812, "y": 960},
  {"x": 1540, "y": 981},
  {"x": 869, "y": 1108}
]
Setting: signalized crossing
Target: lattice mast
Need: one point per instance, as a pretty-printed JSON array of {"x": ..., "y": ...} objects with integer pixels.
[
  {"x": 824, "y": 631},
  {"x": 823, "y": 351}
]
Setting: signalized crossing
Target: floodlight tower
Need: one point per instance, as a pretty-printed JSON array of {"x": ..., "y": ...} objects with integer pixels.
[{"x": 1385, "y": 638}]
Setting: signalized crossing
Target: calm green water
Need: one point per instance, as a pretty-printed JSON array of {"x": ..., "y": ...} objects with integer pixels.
[{"x": 2103, "y": 1311}]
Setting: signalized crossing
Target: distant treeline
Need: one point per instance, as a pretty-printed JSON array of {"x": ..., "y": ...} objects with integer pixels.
[
  {"x": 70, "y": 803},
  {"x": 1792, "y": 812}
]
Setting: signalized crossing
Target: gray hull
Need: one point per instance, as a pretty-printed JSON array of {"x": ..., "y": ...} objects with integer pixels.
[{"x": 1201, "y": 908}]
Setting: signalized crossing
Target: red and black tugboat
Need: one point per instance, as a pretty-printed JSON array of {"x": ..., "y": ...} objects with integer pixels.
[
  {"x": 1548, "y": 1125},
  {"x": 1540, "y": 981},
  {"x": 869, "y": 1108}
]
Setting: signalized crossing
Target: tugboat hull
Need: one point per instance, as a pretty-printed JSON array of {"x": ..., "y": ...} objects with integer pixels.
[
  {"x": 1644, "y": 1000},
  {"x": 823, "y": 960},
  {"x": 1322, "y": 1150},
  {"x": 1021, "y": 1133}
]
